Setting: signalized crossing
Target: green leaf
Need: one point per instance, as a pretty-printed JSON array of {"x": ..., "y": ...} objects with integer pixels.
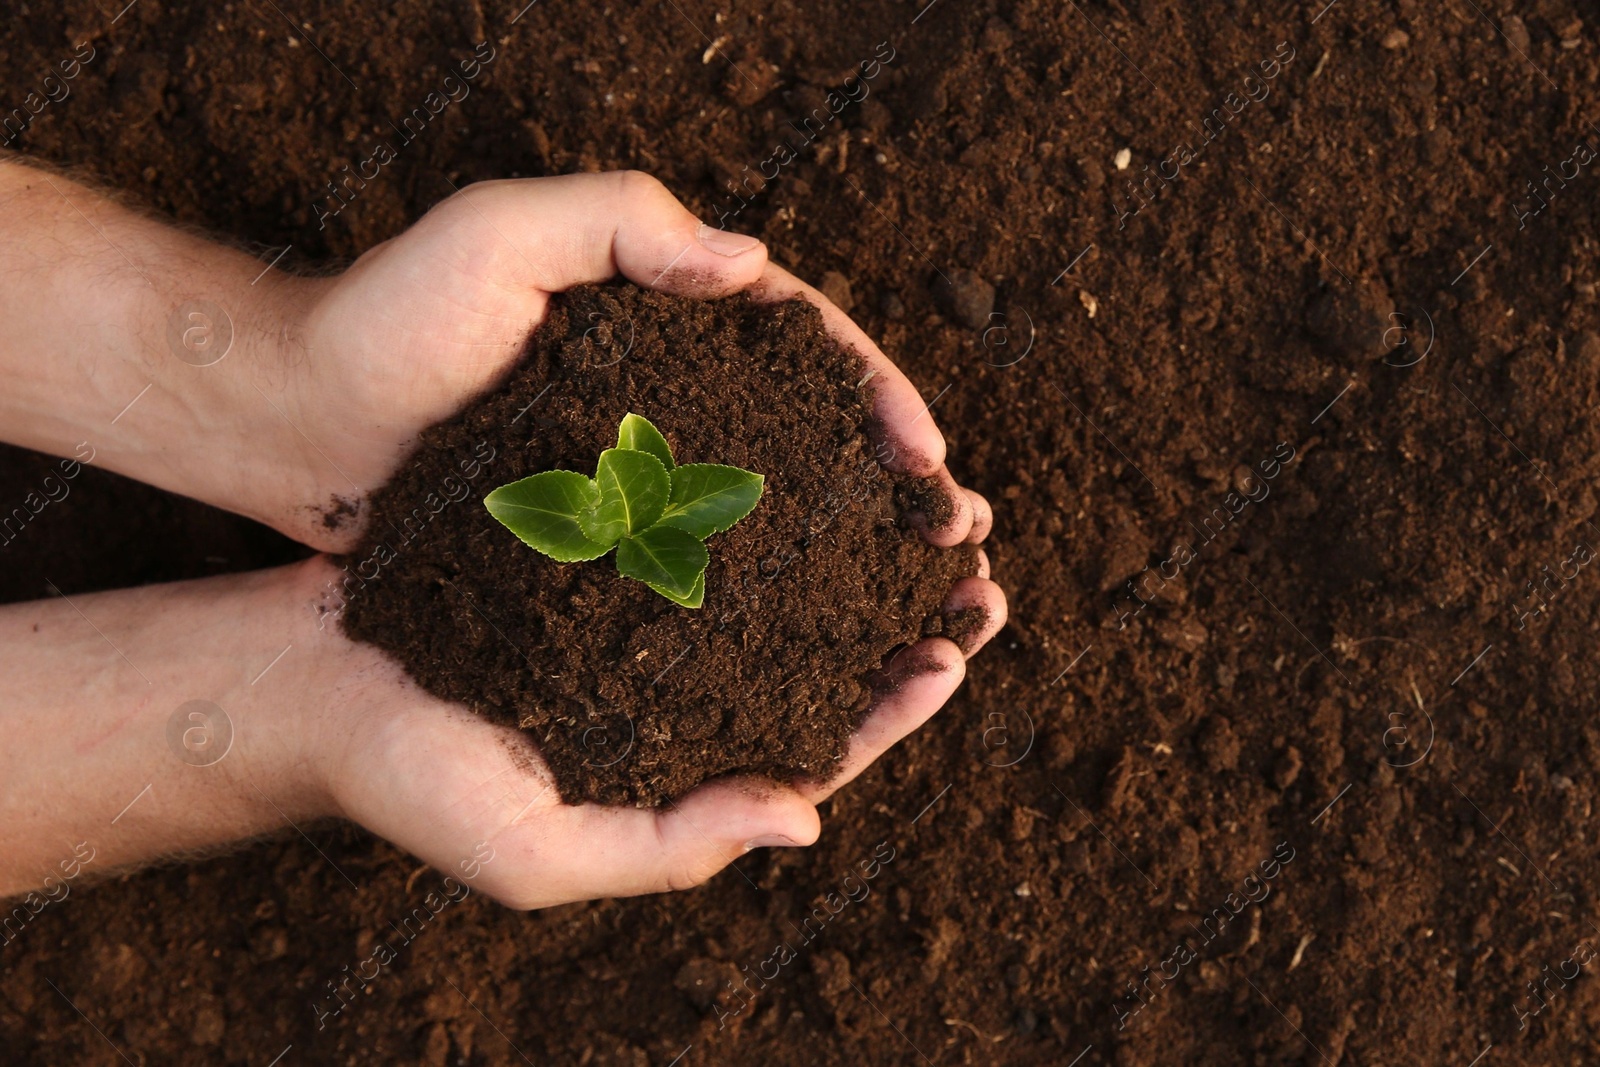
[
  {"x": 637, "y": 433},
  {"x": 668, "y": 560},
  {"x": 544, "y": 511},
  {"x": 634, "y": 488},
  {"x": 696, "y": 596},
  {"x": 708, "y": 498}
]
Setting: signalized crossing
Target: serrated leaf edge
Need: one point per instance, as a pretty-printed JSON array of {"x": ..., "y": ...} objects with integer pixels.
[{"x": 668, "y": 513}]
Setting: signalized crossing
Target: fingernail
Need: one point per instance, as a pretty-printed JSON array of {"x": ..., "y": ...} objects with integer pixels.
[
  {"x": 725, "y": 243},
  {"x": 770, "y": 841}
]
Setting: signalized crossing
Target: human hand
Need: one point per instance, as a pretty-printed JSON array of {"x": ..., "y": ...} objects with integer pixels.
[
  {"x": 435, "y": 779},
  {"x": 423, "y": 323},
  {"x": 320, "y": 726},
  {"x": 285, "y": 398}
]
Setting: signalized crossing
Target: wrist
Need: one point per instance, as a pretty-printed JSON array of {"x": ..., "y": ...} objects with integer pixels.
[
  {"x": 185, "y": 717},
  {"x": 288, "y": 719},
  {"x": 224, "y": 360},
  {"x": 150, "y": 351}
]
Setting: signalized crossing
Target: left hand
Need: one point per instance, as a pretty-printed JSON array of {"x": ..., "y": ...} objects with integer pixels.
[{"x": 423, "y": 323}]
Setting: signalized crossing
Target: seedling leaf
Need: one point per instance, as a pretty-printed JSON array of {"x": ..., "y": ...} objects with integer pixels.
[
  {"x": 708, "y": 498},
  {"x": 669, "y": 560},
  {"x": 544, "y": 509},
  {"x": 640, "y": 435},
  {"x": 696, "y": 596},
  {"x": 634, "y": 488},
  {"x": 654, "y": 513}
]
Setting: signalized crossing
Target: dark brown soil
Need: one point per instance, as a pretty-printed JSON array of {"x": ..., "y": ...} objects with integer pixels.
[
  {"x": 1093, "y": 794},
  {"x": 633, "y": 699},
  {"x": 963, "y": 627}
]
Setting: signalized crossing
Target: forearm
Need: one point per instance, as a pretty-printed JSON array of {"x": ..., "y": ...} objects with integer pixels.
[
  {"x": 109, "y": 746},
  {"x": 105, "y": 316}
]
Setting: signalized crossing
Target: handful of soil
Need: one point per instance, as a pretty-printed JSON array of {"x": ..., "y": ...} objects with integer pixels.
[{"x": 632, "y": 699}]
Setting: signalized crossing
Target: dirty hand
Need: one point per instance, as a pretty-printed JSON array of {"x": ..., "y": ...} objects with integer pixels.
[
  {"x": 175, "y": 718},
  {"x": 320, "y": 395},
  {"x": 423, "y": 323},
  {"x": 201, "y": 371},
  {"x": 204, "y": 371}
]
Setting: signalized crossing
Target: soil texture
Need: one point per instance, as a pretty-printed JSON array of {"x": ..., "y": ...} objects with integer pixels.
[
  {"x": 631, "y": 698},
  {"x": 1297, "y": 331}
]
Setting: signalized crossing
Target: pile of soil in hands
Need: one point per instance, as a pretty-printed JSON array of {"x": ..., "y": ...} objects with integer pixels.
[{"x": 632, "y": 698}]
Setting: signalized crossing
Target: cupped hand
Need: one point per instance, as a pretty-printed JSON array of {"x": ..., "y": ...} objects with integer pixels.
[
  {"x": 171, "y": 719},
  {"x": 438, "y": 780},
  {"x": 422, "y": 323}
]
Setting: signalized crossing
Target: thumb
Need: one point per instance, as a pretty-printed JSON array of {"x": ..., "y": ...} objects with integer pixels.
[
  {"x": 580, "y": 228},
  {"x": 589, "y": 851}
]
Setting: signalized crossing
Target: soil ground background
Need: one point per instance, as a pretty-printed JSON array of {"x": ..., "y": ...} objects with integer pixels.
[{"x": 1343, "y": 675}]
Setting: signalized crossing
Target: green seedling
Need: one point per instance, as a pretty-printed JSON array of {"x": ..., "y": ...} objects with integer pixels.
[{"x": 655, "y": 513}]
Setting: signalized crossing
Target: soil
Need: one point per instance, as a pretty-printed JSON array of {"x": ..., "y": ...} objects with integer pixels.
[
  {"x": 1348, "y": 674},
  {"x": 632, "y": 699}
]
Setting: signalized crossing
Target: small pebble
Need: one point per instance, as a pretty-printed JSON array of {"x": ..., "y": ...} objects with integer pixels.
[
  {"x": 836, "y": 287},
  {"x": 701, "y": 979},
  {"x": 1288, "y": 768},
  {"x": 1123, "y": 158},
  {"x": 967, "y": 296},
  {"x": 750, "y": 82},
  {"x": 1396, "y": 39},
  {"x": 1516, "y": 34}
]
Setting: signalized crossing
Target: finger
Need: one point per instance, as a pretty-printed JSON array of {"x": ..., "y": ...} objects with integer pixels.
[
  {"x": 983, "y": 564},
  {"x": 580, "y": 228},
  {"x": 974, "y": 611},
  {"x": 917, "y": 683},
  {"x": 912, "y": 444},
  {"x": 589, "y": 851},
  {"x": 940, "y": 510},
  {"x": 447, "y": 777},
  {"x": 982, "y": 518}
]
